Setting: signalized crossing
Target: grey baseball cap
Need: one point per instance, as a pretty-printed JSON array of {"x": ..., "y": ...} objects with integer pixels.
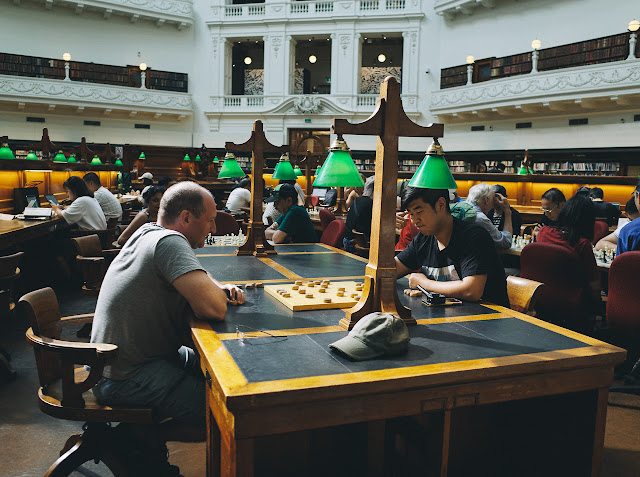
[{"x": 376, "y": 334}]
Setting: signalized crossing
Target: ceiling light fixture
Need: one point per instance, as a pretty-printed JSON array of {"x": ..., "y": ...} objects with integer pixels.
[{"x": 313, "y": 59}]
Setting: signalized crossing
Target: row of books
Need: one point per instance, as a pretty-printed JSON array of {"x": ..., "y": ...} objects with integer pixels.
[
  {"x": 511, "y": 60},
  {"x": 575, "y": 48}
]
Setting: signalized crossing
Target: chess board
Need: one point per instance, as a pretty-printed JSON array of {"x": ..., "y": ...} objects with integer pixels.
[
  {"x": 312, "y": 298},
  {"x": 222, "y": 240}
]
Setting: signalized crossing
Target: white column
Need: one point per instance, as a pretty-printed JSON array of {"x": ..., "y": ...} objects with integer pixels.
[
  {"x": 358, "y": 64},
  {"x": 218, "y": 65},
  {"x": 226, "y": 65},
  {"x": 344, "y": 60},
  {"x": 410, "y": 62},
  {"x": 534, "y": 61},
  {"x": 276, "y": 57},
  {"x": 633, "y": 38}
]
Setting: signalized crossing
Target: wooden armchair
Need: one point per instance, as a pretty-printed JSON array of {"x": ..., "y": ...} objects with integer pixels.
[
  {"x": 523, "y": 294},
  {"x": 65, "y": 395},
  {"x": 9, "y": 272},
  {"x": 94, "y": 262},
  {"x": 107, "y": 236},
  {"x": 361, "y": 244}
]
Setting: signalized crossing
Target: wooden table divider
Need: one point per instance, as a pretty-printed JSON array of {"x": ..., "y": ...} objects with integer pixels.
[
  {"x": 256, "y": 242},
  {"x": 388, "y": 122}
]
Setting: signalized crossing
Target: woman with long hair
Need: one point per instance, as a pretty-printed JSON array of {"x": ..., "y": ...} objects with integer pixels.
[{"x": 84, "y": 211}]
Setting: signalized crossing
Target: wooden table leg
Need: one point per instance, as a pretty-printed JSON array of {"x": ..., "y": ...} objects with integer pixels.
[
  {"x": 236, "y": 457},
  {"x": 599, "y": 430}
]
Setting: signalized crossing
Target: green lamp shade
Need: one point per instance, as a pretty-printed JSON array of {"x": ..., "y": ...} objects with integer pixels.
[
  {"x": 338, "y": 171},
  {"x": 60, "y": 157},
  {"x": 5, "y": 152},
  {"x": 141, "y": 156},
  {"x": 96, "y": 161},
  {"x": 186, "y": 158},
  {"x": 230, "y": 168},
  {"x": 72, "y": 158},
  {"x": 198, "y": 158},
  {"x": 32, "y": 157},
  {"x": 118, "y": 163},
  {"x": 216, "y": 160},
  {"x": 298, "y": 171},
  {"x": 284, "y": 171},
  {"x": 433, "y": 173}
]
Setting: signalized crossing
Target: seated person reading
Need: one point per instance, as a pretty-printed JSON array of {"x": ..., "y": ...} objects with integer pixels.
[
  {"x": 84, "y": 211},
  {"x": 294, "y": 224},
  {"x": 483, "y": 198},
  {"x": 455, "y": 258},
  {"x": 610, "y": 242},
  {"x": 151, "y": 290},
  {"x": 239, "y": 197},
  {"x": 552, "y": 202},
  {"x": 359, "y": 216},
  {"x": 604, "y": 210},
  {"x": 629, "y": 239},
  {"x": 108, "y": 202}
]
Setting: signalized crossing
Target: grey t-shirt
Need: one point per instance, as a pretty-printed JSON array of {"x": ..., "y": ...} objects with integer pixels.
[{"x": 138, "y": 309}]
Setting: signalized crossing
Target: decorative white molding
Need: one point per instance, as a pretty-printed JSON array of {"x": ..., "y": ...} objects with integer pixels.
[
  {"x": 87, "y": 95},
  {"x": 450, "y": 8},
  {"x": 292, "y": 10},
  {"x": 558, "y": 90},
  {"x": 176, "y": 12}
]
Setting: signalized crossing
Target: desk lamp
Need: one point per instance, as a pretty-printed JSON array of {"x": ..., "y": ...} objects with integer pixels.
[
  {"x": 339, "y": 171},
  {"x": 60, "y": 157},
  {"x": 31, "y": 156},
  {"x": 72, "y": 159},
  {"x": 118, "y": 163},
  {"x": 5, "y": 152},
  {"x": 434, "y": 172},
  {"x": 284, "y": 170},
  {"x": 96, "y": 161},
  {"x": 230, "y": 167},
  {"x": 298, "y": 171}
]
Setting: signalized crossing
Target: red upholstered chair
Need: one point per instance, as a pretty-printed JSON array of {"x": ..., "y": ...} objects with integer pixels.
[
  {"x": 623, "y": 303},
  {"x": 326, "y": 217},
  {"x": 334, "y": 233},
  {"x": 226, "y": 224},
  {"x": 566, "y": 298},
  {"x": 600, "y": 230},
  {"x": 315, "y": 200}
]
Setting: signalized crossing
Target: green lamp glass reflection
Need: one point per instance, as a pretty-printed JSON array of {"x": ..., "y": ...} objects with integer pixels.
[
  {"x": 72, "y": 158},
  {"x": 5, "y": 152},
  {"x": 186, "y": 158},
  {"x": 216, "y": 160},
  {"x": 284, "y": 169},
  {"x": 60, "y": 157},
  {"x": 96, "y": 161},
  {"x": 434, "y": 171},
  {"x": 118, "y": 163},
  {"x": 141, "y": 156},
  {"x": 198, "y": 158},
  {"x": 338, "y": 170},
  {"x": 230, "y": 167},
  {"x": 32, "y": 157},
  {"x": 298, "y": 171}
]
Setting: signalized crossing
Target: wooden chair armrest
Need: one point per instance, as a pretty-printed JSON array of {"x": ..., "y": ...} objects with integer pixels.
[
  {"x": 76, "y": 319},
  {"x": 111, "y": 252},
  {"x": 80, "y": 258},
  {"x": 79, "y": 352}
]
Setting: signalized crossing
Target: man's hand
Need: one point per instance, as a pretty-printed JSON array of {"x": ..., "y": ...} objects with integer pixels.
[
  {"x": 501, "y": 203},
  {"x": 535, "y": 231},
  {"x": 235, "y": 293},
  {"x": 401, "y": 220},
  {"x": 416, "y": 279}
]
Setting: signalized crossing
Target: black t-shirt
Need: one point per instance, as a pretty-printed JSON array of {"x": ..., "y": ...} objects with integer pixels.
[
  {"x": 470, "y": 252},
  {"x": 498, "y": 220},
  {"x": 359, "y": 216},
  {"x": 607, "y": 210}
]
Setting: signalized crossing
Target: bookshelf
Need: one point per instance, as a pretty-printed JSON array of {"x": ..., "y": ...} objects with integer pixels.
[
  {"x": 598, "y": 50},
  {"x": 510, "y": 168},
  {"x": 36, "y": 67},
  {"x": 578, "y": 168},
  {"x": 366, "y": 164},
  {"x": 244, "y": 162}
]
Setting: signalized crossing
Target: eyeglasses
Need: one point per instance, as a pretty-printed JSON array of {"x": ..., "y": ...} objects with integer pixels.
[
  {"x": 548, "y": 211},
  {"x": 241, "y": 334}
]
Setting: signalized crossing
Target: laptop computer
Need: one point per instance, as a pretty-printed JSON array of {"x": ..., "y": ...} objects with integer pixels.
[{"x": 51, "y": 199}]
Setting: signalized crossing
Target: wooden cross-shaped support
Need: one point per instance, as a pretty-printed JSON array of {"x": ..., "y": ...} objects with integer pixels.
[
  {"x": 256, "y": 242},
  {"x": 108, "y": 156},
  {"x": 388, "y": 122},
  {"x": 341, "y": 203},
  {"x": 45, "y": 144},
  {"x": 83, "y": 151},
  {"x": 309, "y": 161}
]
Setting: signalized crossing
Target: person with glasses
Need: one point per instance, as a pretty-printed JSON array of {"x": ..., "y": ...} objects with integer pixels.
[
  {"x": 629, "y": 238},
  {"x": 574, "y": 231},
  {"x": 552, "y": 202}
]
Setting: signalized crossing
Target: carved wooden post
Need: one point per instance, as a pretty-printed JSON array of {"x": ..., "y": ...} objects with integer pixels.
[
  {"x": 83, "y": 151},
  {"x": 256, "y": 243},
  {"x": 45, "y": 144},
  {"x": 341, "y": 203},
  {"x": 388, "y": 122},
  {"x": 309, "y": 162}
]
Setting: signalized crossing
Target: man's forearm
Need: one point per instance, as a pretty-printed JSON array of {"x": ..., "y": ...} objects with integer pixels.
[
  {"x": 508, "y": 223},
  {"x": 454, "y": 288}
]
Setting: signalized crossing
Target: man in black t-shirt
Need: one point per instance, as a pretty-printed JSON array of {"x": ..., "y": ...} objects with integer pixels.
[
  {"x": 604, "y": 210},
  {"x": 455, "y": 258}
]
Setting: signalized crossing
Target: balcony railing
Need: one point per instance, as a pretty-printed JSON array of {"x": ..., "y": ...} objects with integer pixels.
[
  {"x": 598, "y": 87},
  {"x": 297, "y": 10},
  {"x": 58, "y": 94}
]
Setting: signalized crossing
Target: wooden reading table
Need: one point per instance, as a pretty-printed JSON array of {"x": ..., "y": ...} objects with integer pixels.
[
  {"x": 483, "y": 390},
  {"x": 14, "y": 231}
]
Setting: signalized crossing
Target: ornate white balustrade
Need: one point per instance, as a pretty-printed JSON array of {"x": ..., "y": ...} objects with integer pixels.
[
  {"x": 324, "y": 106},
  {"x": 161, "y": 12},
  {"x": 65, "y": 95},
  {"x": 313, "y": 9},
  {"x": 600, "y": 87}
]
